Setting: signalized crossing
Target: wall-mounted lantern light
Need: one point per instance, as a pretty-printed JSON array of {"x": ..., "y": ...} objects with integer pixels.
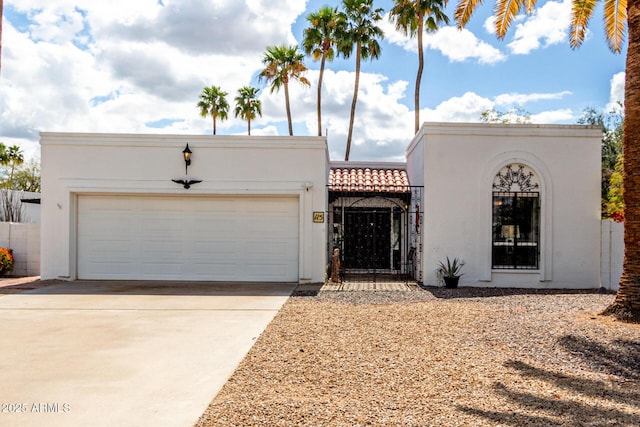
[
  {"x": 187, "y": 158},
  {"x": 186, "y": 182}
]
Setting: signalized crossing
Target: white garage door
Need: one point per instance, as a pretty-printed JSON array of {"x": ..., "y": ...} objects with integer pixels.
[{"x": 188, "y": 238}]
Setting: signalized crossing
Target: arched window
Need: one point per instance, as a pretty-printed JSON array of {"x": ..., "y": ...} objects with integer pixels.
[{"x": 516, "y": 219}]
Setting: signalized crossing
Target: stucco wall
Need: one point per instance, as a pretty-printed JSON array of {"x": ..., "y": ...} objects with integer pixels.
[
  {"x": 24, "y": 240},
  {"x": 74, "y": 164},
  {"x": 612, "y": 253},
  {"x": 460, "y": 163}
]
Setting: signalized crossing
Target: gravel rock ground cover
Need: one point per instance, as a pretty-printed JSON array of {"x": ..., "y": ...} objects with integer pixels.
[{"x": 463, "y": 357}]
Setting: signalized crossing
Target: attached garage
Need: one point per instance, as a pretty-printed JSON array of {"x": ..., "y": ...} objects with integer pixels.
[
  {"x": 175, "y": 237},
  {"x": 116, "y": 207}
]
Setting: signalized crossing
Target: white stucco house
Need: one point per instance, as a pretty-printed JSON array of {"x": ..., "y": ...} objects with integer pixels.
[
  {"x": 110, "y": 209},
  {"x": 518, "y": 203}
]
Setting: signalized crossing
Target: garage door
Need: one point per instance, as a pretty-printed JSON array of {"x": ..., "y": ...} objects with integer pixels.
[{"x": 188, "y": 238}]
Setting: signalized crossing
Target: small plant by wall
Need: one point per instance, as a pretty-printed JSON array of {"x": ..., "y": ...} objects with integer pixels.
[{"x": 6, "y": 260}]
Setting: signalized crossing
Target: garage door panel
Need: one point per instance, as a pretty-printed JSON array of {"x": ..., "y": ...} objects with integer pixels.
[
  {"x": 116, "y": 222},
  {"x": 103, "y": 245},
  {"x": 266, "y": 272},
  {"x": 161, "y": 269},
  {"x": 223, "y": 269},
  {"x": 271, "y": 250},
  {"x": 211, "y": 250},
  {"x": 161, "y": 227},
  {"x": 118, "y": 268},
  {"x": 190, "y": 238}
]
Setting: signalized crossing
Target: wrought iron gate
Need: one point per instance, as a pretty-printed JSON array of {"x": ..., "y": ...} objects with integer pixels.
[{"x": 378, "y": 235}]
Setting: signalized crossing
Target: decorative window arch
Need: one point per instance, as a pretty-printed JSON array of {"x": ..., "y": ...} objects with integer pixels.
[{"x": 516, "y": 219}]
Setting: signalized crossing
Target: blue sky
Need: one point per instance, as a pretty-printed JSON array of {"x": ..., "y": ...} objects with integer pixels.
[{"x": 138, "y": 66}]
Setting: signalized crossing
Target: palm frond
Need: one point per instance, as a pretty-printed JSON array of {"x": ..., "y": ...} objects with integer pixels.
[
  {"x": 581, "y": 12},
  {"x": 529, "y": 5},
  {"x": 305, "y": 81},
  {"x": 404, "y": 15},
  {"x": 615, "y": 23},
  {"x": 464, "y": 10},
  {"x": 504, "y": 12}
]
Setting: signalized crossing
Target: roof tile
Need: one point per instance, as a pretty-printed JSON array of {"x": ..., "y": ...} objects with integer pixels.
[{"x": 370, "y": 180}]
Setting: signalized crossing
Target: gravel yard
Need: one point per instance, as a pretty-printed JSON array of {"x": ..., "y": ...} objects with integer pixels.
[{"x": 437, "y": 357}]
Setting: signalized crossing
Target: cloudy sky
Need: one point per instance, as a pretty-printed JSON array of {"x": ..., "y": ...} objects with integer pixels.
[{"x": 138, "y": 66}]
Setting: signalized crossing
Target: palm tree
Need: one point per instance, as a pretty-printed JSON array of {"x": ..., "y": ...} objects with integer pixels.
[
  {"x": 248, "y": 105},
  {"x": 361, "y": 31},
  {"x": 282, "y": 64},
  {"x": 617, "y": 16},
  {"x": 319, "y": 41},
  {"x": 213, "y": 102},
  {"x": 10, "y": 156},
  {"x": 412, "y": 17},
  {"x": 15, "y": 158}
]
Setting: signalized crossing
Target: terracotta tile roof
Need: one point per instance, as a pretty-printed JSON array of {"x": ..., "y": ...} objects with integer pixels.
[{"x": 369, "y": 180}]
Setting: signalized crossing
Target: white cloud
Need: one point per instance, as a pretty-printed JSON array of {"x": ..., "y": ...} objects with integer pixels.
[
  {"x": 93, "y": 78},
  {"x": 383, "y": 126},
  {"x": 53, "y": 27},
  {"x": 555, "y": 116},
  {"x": 510, "y": 99},
  {"x": 138, "y": 66},
  {"x": 465, "y": 108},
  {"x": 548, "y": 25},
  {"x": 457, "y": 45},
  {"x": 461, "y": 45},
  {"x": 616, "y": 97},
  {"x": 470, "y": 106},
  {"x": 264, "y": 131}
]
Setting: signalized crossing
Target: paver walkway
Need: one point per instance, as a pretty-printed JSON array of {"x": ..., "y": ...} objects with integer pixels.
[{"x": 354, "y": 286}]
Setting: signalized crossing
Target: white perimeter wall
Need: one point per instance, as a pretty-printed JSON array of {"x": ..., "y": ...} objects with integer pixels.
[
  {"x": 75, "y": 164},
  {"x": 612, "y": 253},
  {"x": 460, "y": 161},
  {"x": 24, "y": 240}
]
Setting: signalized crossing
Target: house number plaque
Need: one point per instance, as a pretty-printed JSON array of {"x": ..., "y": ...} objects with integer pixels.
[{"x": 318, "y": 217}]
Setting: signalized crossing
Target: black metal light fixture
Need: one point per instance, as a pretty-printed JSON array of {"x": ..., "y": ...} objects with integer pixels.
[
  {"x": 186, "y": 182},
  {"x": 187, "y": 158}
]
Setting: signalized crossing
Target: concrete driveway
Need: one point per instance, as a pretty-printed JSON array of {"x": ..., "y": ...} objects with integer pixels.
[{"x": 125, "y": 353}]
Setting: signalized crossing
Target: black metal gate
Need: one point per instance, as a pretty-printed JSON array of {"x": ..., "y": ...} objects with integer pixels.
[
  {"x": 367, "y": 238},
  {"x": 378, "y": 236}
]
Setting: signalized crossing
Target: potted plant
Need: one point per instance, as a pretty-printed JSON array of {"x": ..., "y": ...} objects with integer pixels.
[{"x": 450, "y": 271}]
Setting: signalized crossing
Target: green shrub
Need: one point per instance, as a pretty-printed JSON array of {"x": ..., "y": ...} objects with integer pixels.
[{"x": 6, "y": 260}]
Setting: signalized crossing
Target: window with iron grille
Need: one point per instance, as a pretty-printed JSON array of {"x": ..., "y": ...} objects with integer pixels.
[{"x": 516, "y": 219}]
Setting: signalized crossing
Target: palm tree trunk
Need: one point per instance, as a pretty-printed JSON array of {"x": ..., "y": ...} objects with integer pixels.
[
  {"x": 354, "y": 101},
  {"x": 214, "y": 124},
  {"x": 419, "y": 73},
  {"x": 627, "y": 303},
  {"x": 288, "y": 107},
  {"x": 322, "y": 61}
]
